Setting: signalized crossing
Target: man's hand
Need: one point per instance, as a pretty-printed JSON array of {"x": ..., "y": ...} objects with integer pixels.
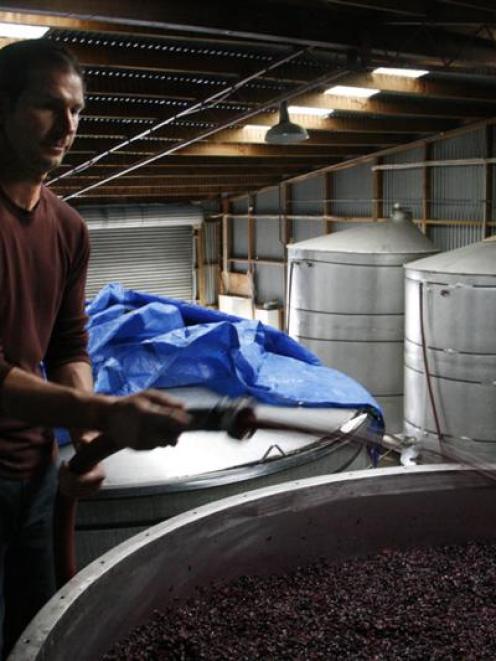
[
  {"x": 146, "y": 420},
  {"x": 80, "y": 486}
]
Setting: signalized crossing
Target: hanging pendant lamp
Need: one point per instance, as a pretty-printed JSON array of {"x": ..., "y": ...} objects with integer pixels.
[{"x": 285, "y": 132}]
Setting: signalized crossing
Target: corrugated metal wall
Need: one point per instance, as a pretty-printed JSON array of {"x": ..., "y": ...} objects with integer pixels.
[
  {"x": 307, "y": 199},
  {"x": 446, "y": 237},
  {"x": 269, "y": 284},
  {"x": 465, "y": 145},
  {"x": 211, "y": 234},
  {"x": 352, "y": 191},
  {"x": 240, "y": 237},
  {"x": 269, "y": 245},
  {"x": 403, "y": 186},
  {"x": 456, "y": 198},
  {"x": 458, "y": 192}
]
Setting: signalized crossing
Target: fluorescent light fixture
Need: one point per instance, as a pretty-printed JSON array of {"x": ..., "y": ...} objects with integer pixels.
[
  {"x": 256, "y": 127},
  {"x": 407, "y": 73},
  {"x": 358, "y": 92},
  {"x": 20, "y": 31},
  {"x": 307, "y": 110}
]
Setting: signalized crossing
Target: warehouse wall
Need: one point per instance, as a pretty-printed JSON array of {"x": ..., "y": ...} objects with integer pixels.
[{"x": 451, "y": 203}]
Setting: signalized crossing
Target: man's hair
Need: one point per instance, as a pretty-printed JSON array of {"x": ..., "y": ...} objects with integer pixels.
[{"x": 19, "y": 59}]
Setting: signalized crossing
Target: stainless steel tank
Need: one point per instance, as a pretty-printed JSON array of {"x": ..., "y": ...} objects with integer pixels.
[
  {"x": 271, "y": 530},
  {"x": 458, "y": 291},
  {"x": 144, "y": 488},
  {"x": 346, "y": 303}
]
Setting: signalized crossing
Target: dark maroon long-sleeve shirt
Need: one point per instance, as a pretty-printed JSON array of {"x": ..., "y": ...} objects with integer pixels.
[{"x": 43, "y": 261}]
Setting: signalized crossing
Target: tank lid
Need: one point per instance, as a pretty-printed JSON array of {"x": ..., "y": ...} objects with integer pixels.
[
  {"x": 474, "y": 259},
  {"x": 397, "y": 235}
]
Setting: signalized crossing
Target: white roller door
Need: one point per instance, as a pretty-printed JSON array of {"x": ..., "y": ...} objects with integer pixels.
[
  {"x": 142, "y": 248},
  {"x": 158, "y": 260}
]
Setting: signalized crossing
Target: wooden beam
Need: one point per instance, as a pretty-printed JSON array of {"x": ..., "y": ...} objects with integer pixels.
[
  {"x": 269, "y": 151},
  {"x": 200, "y": 259},
  {"x": 207, "y": 148},
  {"x": 363, "y": 219},
  {"x": 251, "y": 229},
  {"x": 248, "y": 135},
  {"x": 286, "y": 235},
  {"x": 316, "y": 138},
  {"x": 119, "y": 160},
  {"x": 285, "y": 209},
  {"x": 361, "y": 123},
  {"x": 203, "y": 170},
  {"x": 455, "y": 162},
  {"x": 147, "y": 191},
  {"x": 261, "y": 262},
  {"x": 424, "y": 86},
  {"x": 426, "y": 190},
  {"x": 226, "y": 234},
  {"x": 171, "y": 196},
  {"x": 488, "y": 182},
  {"x": 378, "y": 105},
  {"x": 377, "y": 192},
  {"x": 59, "y": 22},
  {"x": 161, "y": 181},
  {"x": 328, "y": 192}
]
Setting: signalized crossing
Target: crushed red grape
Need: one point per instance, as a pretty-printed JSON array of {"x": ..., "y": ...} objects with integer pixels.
[{"x": 425, "y": 603}]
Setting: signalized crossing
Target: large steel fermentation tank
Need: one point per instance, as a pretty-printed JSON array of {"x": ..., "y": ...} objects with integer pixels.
[
  {"x": 270, "y": 530},
  {"x": 346, "y": 303},
  {"x": 144, "y": 488},
  {"x": 456, "y": 293}
]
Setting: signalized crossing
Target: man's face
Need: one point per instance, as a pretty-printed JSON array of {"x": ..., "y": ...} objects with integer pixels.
[{"x": 41, "y": 125}]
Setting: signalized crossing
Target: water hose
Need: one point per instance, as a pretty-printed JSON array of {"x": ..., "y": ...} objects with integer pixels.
[
  {"x": 65, "y": 508},
  {"x": 237, "y": 418}
]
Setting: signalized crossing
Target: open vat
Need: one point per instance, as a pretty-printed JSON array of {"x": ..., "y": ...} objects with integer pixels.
[{"x": 264, "y": 531}]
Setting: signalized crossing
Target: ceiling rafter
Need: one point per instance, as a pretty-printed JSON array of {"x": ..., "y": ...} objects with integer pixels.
[{"x": 328, "y": 77}]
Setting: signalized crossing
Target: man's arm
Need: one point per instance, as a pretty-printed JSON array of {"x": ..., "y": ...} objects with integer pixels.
[
  {"x": 141, "y": 421},
  {"x": 78, "y": 375},
  {"x": 75, "y": 374},
  {"x": 27, "y": 397}
]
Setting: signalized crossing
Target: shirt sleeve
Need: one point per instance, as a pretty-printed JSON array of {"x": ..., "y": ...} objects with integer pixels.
[{"x": 69, "y": 338}]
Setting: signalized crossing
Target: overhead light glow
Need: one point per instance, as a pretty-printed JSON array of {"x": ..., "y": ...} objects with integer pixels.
[
  {"x": 255, "y": 127},
  {"x": 307, "y": 110},
  {"x": 407, "y": 73},
  {"x": 20, "y": 31},
  {"x": 358, "y": 92}
]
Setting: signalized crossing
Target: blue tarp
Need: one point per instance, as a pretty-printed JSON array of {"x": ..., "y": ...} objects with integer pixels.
[{"x": 139, "y": 340}]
